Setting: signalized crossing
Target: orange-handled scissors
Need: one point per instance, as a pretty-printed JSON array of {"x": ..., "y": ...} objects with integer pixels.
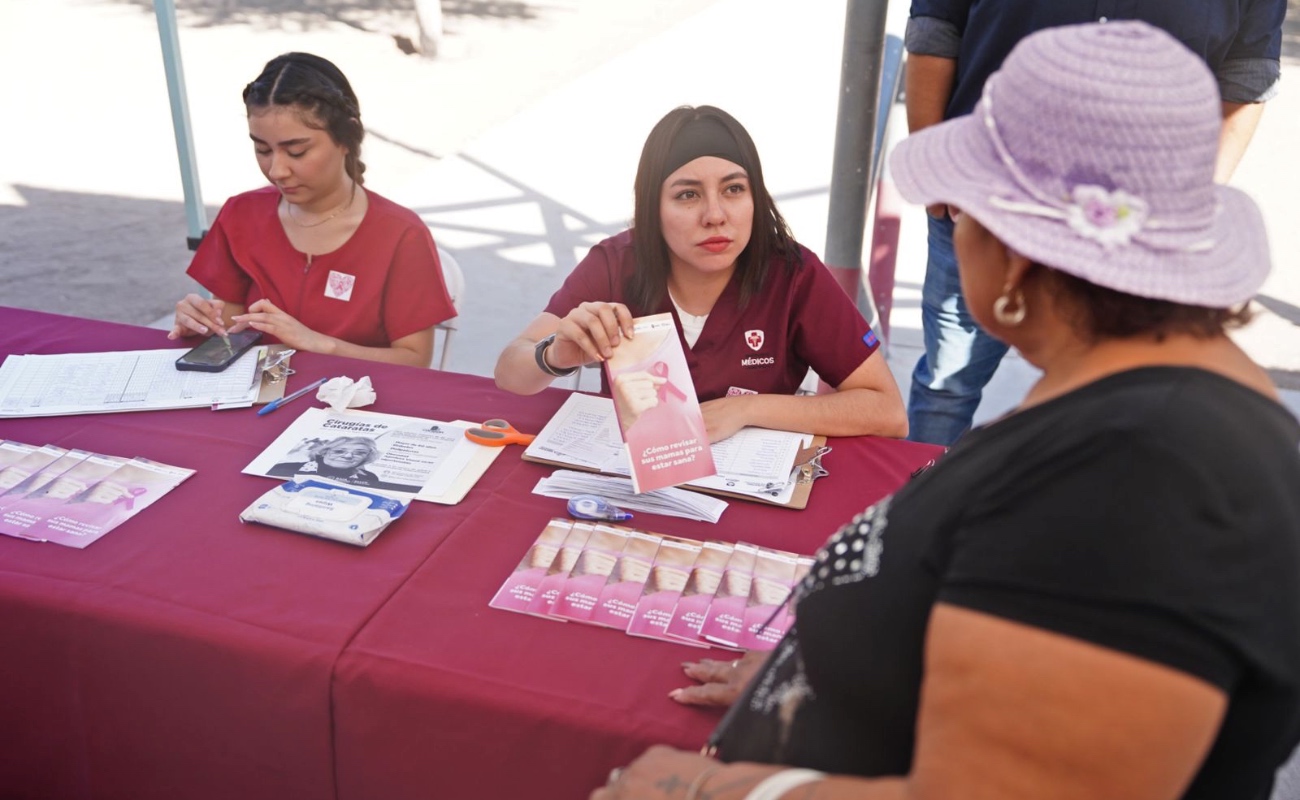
[{"x": 497, "y": 433}]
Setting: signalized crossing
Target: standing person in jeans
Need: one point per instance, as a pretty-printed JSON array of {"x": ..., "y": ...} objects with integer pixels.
[{"x": 953, "y": 46}]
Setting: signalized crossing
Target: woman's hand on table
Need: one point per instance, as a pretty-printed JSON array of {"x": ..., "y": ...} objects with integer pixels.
[
  {"x": 720, "y": 682},
  {"x": 589, "y": 333},
  {"x": 660, "y": 772},
  {"x": 199, "y": 316},
  {"x": 724, "y": 416}
]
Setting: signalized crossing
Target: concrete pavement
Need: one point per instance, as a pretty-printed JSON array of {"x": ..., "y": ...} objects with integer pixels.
[{"x": 517, "y": 222}]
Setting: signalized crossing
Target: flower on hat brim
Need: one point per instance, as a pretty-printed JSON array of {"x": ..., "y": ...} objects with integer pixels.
[{"x": 1111, "y": 218}]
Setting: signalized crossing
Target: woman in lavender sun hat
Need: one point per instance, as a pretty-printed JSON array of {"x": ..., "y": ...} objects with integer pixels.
[{"x": 1098, "y": 595}]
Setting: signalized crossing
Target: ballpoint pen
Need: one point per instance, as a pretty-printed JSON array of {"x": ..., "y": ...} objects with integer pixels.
[{"x": 274, "y": 404}]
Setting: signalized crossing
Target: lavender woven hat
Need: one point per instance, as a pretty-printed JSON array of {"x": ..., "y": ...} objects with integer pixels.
[{"x": 1092, "y": 151}]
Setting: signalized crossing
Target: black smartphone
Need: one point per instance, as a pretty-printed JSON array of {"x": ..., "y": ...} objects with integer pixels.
[{"x": 214, "y": 355}]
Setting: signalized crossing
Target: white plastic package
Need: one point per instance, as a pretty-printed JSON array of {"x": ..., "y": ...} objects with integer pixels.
[{"x": 329, "y": 510}]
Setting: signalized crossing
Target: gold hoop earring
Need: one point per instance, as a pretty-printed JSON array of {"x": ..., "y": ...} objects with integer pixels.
[{"x": 1009, "y": 318}]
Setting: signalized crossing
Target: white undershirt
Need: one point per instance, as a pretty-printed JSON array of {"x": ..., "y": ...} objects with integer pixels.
[{"x": 692, "y": 325}]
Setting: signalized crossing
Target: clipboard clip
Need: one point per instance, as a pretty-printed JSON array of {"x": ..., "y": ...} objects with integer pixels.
[
  {"x": 812, "y": 469},
  {"x": 276, "y": 368}
]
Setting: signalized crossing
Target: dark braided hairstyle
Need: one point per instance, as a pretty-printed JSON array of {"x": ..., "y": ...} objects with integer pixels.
[{"x": 313, "y": 84}]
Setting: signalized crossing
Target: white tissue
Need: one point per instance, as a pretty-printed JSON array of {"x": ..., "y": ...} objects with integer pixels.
[{"x": 341, "y": 393}]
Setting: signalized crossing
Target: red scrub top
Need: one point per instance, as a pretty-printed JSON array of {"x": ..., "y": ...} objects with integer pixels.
[
  {"x": 384, "y": 283},
  {"x": 796, "y": 321}
]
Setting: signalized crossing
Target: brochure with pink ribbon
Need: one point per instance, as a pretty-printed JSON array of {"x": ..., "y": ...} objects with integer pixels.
[
  {"x": 107, "y": 503},
  {"x": 28, "y": 509},
  {"x": 774, "y": 576},
  {"x": 619, "y": 596},
  {"x": 658, "y": 411},
  {"x": 548, "y": 588},
  {"x": 725, "y": 619},
  {"x": 521, "y": 587},
  {"x": 663, "y": 588},
  {"x": 581, "y": 590},
  {"x": 697, "y": 594}
]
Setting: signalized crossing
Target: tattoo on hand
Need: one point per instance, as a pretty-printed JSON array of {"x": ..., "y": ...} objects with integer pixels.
[{"x": 671, "y": 785}]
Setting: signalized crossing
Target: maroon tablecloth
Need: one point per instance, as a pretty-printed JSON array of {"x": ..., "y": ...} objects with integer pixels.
[
  {"x": 188, "y": 655},
  {"x": 442, "y": 696}
]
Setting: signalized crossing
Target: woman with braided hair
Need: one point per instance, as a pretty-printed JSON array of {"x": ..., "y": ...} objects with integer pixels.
[{"x": 315, "y": 260}]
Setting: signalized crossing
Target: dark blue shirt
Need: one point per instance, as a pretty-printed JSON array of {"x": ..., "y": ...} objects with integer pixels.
[{"x": 1240, "y": 40}]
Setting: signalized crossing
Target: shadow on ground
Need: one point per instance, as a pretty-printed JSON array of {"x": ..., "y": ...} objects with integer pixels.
[{"x": 50, "y": 244}]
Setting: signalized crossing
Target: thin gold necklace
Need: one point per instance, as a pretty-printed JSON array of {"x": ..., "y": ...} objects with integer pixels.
[{"x": 331, "y": 216}]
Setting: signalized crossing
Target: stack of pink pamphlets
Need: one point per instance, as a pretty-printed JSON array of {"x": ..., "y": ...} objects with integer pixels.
[
  {"x": 698, "y": 593},
  {"x": 74, "y": 497}
]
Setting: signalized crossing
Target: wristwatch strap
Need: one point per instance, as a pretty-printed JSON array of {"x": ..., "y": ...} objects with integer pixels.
[{"x": 539, "y": 353}]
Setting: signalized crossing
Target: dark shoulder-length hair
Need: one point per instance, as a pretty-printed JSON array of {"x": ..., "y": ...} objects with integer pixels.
[
  {"x": 1097, "y": 313},
  {"x": 770, "y": 237},
  {"x": 313, "y": 84}
]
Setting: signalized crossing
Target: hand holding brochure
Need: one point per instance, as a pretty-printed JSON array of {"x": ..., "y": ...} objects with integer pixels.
[
  {"x": 754, "y": 464},
  {"x": 658, "y": 411}
]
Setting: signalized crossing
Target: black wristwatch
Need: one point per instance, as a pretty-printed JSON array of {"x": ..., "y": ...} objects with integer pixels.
[{"x": 539, "y": 353}]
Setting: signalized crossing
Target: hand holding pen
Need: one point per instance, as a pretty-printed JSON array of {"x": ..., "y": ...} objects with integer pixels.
[{"x": 279, "y": 401}]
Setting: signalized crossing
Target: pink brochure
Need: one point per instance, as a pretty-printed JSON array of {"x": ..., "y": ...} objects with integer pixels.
[
  {"x": 11, "y": 452},
  {"x": 39, "y": 479},
  {"x": 785, "y": 616},
  {"x": 773, "y": 578},
  {"x": 622, "y": 590},
  {"x": 697, "y": 594},
  {"x": 521, "y": 587},
  {"x": 40, "y": 502},
  {"x": 672, "y": 567},
  {"x": 579, "y": 593},
  {"x": 548, "y": 588},
  {"x": 28, "y": 465},
  {"x": 123, "y": 493},
  {"x": 658, "y": 411},
  {"x": 725, "y": 620}
]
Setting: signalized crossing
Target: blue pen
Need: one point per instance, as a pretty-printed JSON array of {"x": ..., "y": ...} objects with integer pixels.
[{"x": 274, "y": 404}]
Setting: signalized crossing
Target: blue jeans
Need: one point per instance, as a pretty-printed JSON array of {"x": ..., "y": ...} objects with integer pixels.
[{"x": 959, "y": 358}]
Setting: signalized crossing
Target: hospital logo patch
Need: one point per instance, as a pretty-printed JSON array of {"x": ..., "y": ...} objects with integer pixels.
[
  {"x": 339, "y": 286},
  {"x": 754, "y": 339}
]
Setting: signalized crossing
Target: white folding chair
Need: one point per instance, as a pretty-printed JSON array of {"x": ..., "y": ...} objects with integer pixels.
[{"x": 455, "y": 281}]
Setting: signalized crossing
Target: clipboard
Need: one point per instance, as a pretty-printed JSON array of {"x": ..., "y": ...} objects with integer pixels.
[
  {"x": 807, "y": 469},
  {"x": 468, "y": 477}
]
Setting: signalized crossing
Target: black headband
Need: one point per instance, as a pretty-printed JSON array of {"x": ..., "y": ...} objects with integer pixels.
[{"x": 703, "y": 136}]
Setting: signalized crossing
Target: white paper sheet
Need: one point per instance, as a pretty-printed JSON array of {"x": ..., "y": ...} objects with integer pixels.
[
  {"x": 405, "y": 456},
  {"x": 755, "y": 461},
  {"x": 133, "y": 380}
]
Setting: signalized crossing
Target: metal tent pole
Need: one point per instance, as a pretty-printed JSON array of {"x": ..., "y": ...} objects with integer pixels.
[
  {"x": 855, "y": 141},
  {"x": 195, "y": 215}
]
